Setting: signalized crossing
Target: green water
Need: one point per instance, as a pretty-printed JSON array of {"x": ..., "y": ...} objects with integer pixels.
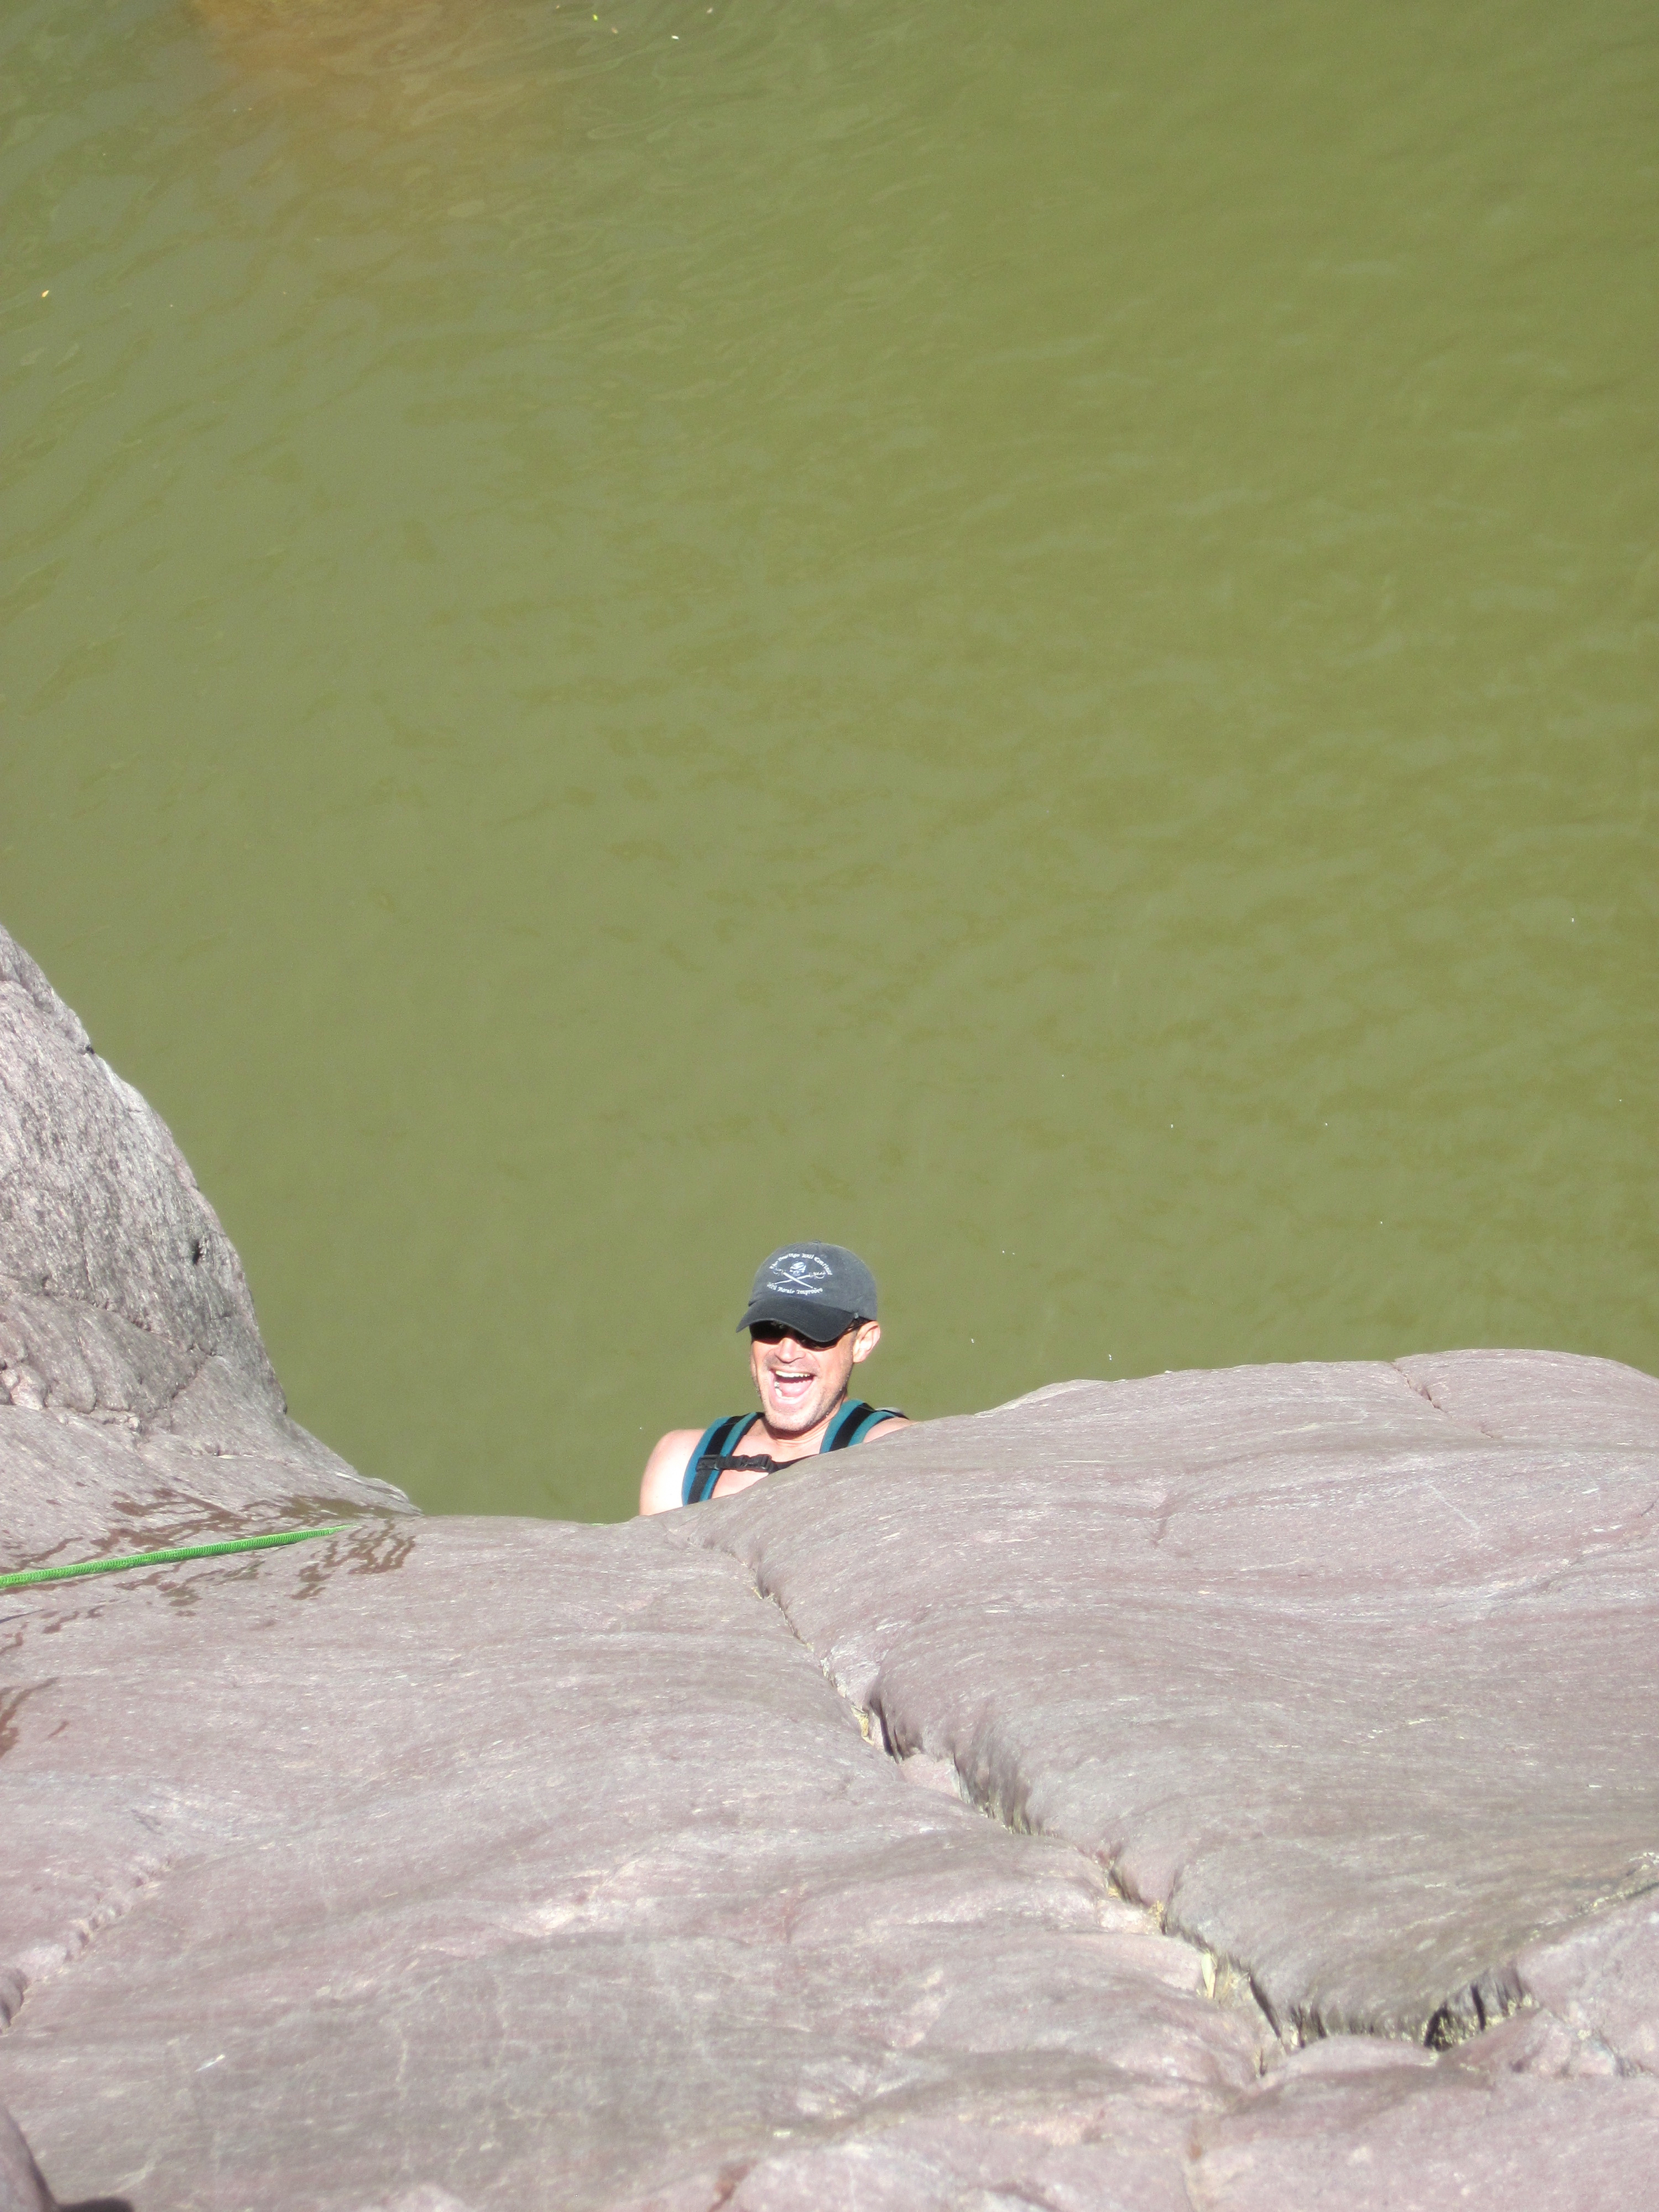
[{"x": 1022, "y": 637}]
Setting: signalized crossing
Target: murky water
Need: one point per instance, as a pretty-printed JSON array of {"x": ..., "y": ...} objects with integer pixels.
[{"x": 1023, "y": 637}]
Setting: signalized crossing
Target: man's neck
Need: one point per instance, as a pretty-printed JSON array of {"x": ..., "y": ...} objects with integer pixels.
[{"x": 798, "y": 1446}]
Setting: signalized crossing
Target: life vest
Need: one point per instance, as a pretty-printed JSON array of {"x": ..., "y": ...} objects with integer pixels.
[{"x": 713, "y": 1452}]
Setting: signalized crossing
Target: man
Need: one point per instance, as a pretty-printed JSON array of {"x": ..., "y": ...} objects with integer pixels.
[{"x": 812, "y": 1320}]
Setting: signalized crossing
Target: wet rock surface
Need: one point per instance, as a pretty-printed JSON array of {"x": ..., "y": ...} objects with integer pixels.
[{"x": 1210, "y": 1792}]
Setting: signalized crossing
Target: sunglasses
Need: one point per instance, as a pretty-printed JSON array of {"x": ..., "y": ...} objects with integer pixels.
[{"x": 773, "y": 1332}]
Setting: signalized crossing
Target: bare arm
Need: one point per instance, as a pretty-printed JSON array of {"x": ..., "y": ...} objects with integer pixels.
[
  {"x": 887, "y": 1429},
  {"x": 665, "y": 1471}
]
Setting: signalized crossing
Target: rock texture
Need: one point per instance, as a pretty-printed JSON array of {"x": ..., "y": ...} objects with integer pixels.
[
  {"x": 124, "y": 1317},
  {"x": 1346, "y": 1671},
  {"x": 1210, "y": 1791},
  {"x": 536, "y": 1863}
]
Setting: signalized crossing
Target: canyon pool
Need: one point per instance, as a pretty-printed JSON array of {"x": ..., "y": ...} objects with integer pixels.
[{"x": 1022, "y": 637}]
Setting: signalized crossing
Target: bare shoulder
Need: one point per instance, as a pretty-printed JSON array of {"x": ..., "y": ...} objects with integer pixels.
[
  {"x": 665, "y": 1471},
  {"x": 888, "y": 1428}
]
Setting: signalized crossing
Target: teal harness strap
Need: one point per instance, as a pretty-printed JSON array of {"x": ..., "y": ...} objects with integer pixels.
[
  {"x": 716, "y": 1449},
  {"x": 854, "y": 1422},
  {"x": 164, "y": 1558},
  {"x": 709, "y": 1454}
]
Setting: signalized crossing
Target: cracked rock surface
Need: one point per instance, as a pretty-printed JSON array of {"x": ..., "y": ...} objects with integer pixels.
[
  {"x": 453, "y": 1864},
  {"x": 1343, "y": 1672}
]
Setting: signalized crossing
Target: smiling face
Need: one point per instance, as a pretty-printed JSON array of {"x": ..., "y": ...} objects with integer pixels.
[{"x": 800, "y": 1385}]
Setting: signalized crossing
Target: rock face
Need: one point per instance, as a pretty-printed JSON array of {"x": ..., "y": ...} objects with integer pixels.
[
  {"x": 1347, "y": 1670},
  {"x": 1210, "y": 1791},
  {"x": 125, "y": 1318}
]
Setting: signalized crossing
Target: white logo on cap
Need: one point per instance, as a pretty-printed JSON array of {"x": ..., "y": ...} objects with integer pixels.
[{"x": 804, "y": 1275}]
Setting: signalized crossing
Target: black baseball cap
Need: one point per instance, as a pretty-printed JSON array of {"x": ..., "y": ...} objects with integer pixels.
[{"x": 816, "y": 1292}]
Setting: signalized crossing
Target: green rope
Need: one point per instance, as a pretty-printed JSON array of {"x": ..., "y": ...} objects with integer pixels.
[{"x": 165, "y": 1558}]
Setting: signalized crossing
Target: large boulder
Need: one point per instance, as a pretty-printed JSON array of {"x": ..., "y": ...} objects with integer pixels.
[
  {"x": 1213, "y": 1791},
  {"x": 1345, "y": 1670},
  {"x": 125, "y": 1321}
]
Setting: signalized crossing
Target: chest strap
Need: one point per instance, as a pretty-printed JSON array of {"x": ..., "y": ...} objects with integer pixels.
[
  {"x": 713, "y": 1452},
  {"x": 711, "y": 1455}
]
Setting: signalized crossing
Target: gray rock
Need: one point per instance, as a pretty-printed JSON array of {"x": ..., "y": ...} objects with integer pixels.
[
  {"x": 137, "y": 1407},
  {"x": 22, "y": 2185},
  {"x": 1354, "y": 1691},
  {"x": 533, "y": 1864},
  {"x": 449, "y": 1865},
  {"x": 1601, "y": 1978},
  {"x": 1377, "y": 2127},
  {"x": 98, "y": 1207}
]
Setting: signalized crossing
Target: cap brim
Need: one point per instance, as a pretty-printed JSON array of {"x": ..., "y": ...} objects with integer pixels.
[{"x": 809, "y": 1324}]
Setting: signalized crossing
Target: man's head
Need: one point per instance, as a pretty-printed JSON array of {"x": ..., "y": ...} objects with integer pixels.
[
  {"x": 812, "y": 1318},
  {"x": 818, "y": 1291}
]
